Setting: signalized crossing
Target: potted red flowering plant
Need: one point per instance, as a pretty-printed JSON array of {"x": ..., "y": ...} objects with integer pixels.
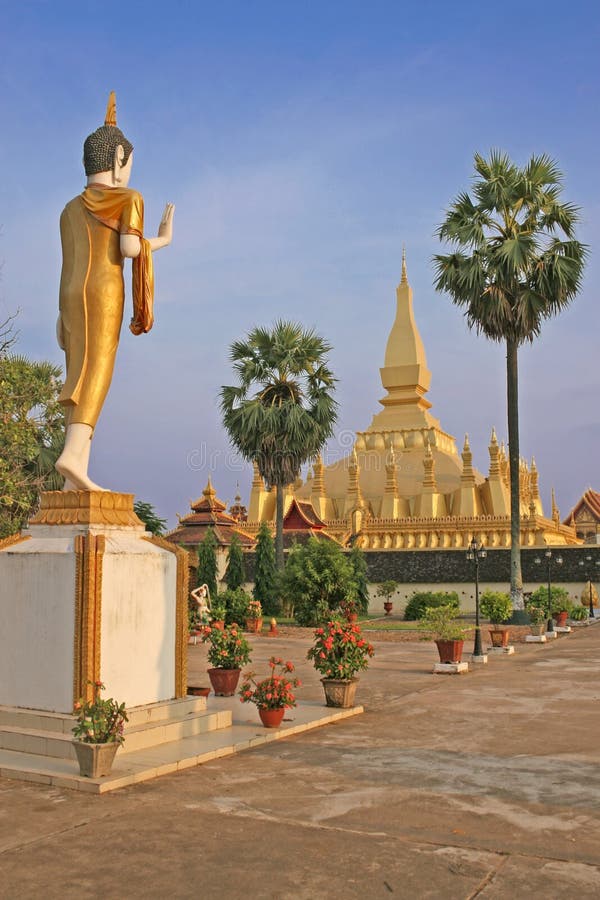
[
  {"x": 338, "y": 653},
  {"x": 98, "y": 732},
  {"x": 228, "y": 652},
  {"x": 272, "y": 695},
  {"x": 254, "y": 616}
]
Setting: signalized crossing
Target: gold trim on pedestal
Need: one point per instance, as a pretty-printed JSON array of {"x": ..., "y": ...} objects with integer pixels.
[
  {"x": 7, "y": 542},
  {"x": 181, "y": 612},
  {"x": 85, "y": 508},
  {"x": 89, "y": 552}
]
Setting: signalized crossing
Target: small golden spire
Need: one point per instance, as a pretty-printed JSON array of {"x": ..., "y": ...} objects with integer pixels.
[
  {"x": 493, "y": 439},
  {"x": 111, "y": 110},
  {"x": 404, "y": 278}
]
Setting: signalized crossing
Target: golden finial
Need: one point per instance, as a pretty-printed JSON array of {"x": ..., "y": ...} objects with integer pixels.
[
  {"x": 404, "y": 278},
  {"x": 466, "y": 446},
  {"x": 493, "y": 439},
  {"x": 111, "y": 110}
]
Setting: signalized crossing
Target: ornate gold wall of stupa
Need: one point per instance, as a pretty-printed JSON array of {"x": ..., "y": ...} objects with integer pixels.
[{"x": 404, "y": 485}]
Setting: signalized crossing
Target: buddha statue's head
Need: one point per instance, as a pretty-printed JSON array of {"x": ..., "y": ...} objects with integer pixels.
[{"x": 107, "y": 148}]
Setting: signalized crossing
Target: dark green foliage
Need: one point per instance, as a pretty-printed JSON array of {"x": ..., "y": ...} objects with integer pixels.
[
  {"x": 496, "y": 606},
  {"x": 509, "y": 271},
  {"x": 559, "y": 599},
  {"x": 317, "y": 578},
  {"x": 359, "y": 567},
  {"x": 147, "y": 513},
  {"x": 235, "y": 602},
  {"x": 31, "y": 434},
  {"x": 235, "y": 573},
  {"x": 207, "y": 564},
  {"x": 282, "y": 410},
  {"x": 265, "y": 572},
  {"x": 418, "y": 603}
]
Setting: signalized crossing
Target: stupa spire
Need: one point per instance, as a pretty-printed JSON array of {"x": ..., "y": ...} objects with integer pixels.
[{"x": 404, "y": 276}]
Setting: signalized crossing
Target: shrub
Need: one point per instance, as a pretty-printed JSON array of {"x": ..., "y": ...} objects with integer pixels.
[
  {"x": 442, "y": 623},
  {"x": 418, "y": 603},
  {"x": 578, "y": 613},
  {"x": 558, "y": 602},
  {"x": 235, "y": 573},
  {"x": 317, "y": 578},
  {"x": 207, "y": 563},
  {"x": 496, "y": 606},
  {"x": 265, "y": 572},
  {"x": 236, "y": 605}
]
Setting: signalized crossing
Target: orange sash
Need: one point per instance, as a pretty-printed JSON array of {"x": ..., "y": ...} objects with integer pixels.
[{"x": 122, "y": 209}]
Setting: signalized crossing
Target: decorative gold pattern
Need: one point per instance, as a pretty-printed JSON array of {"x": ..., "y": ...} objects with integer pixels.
[
  {"x": 89, "y": 552},
  {"x": 85, "y": 508},
  {"x": 13, "y": 539},
  {"x": 181, "y": 615}
]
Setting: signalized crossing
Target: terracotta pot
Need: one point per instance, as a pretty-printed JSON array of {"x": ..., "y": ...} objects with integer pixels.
[
  {"x": 388, "y": 606},
  {"x": 95, "y": 760},
  {"x": 450, "y": 651},
  {"x": 271, "y": 718},
  {"x": 561, "y": 618},
  {"x": 224, "y": 681},
  {"x": 254, "y": 625},
  {"x": 499, "y": 636},
  {"x": 193, "y": 691},
  {"x": 339, "y": 693}
]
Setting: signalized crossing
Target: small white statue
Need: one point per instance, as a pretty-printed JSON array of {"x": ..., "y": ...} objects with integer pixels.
[{"x": 202, "y": 597}]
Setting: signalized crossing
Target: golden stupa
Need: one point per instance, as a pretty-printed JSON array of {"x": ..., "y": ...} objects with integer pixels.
[{"x": 404, "y": 485}]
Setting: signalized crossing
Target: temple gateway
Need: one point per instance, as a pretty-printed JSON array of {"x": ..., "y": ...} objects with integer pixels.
[{"x": 404, "y": 485}]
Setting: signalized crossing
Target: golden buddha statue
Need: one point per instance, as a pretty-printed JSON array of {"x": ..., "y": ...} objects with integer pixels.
[{"x": 99, "y": 229}]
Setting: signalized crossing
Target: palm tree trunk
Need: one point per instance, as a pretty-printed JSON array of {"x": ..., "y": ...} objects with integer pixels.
[
  {"x": 279, "y": 560},
  {"x": 512, "y": 394}
]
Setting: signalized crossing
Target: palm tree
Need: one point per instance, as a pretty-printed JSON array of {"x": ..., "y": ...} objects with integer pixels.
[
  {"x": 515, "y": 263},
  {"x": 282, "y": 410}
]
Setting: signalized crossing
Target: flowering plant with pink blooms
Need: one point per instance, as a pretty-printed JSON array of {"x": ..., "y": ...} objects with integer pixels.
[
  {"x": 99, "y": 721},
  {"x": 228, "y": 649},
  {"x": 274, "y": 692},
  {"x": 340, "y": 651}
]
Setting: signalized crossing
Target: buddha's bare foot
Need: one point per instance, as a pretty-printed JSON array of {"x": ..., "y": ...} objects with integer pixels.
[{"x": 74, "y": 480}]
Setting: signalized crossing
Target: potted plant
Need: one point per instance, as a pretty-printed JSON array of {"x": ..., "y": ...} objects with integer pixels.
[
  {"x": 98, "y": 732},
  {"x": 496, "y": 606},
  {"x": 338, "y": 653},
  {"x": 254, "y": 616},
  {"x": 228, "y": 652},
  {"x": 218, "y": 615},
  {"x": 349, "y": 607},
  {"x": 578, "y": 613},
  {"x": 272, "y": 695},
  {"x": 387, "y": 589},
  {"x": 447, "y": 632},
  {"x": 538, "y": 618}
]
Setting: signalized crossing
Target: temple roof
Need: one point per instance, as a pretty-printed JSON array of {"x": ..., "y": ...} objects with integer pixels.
[
  {"x": 301, "y": 522},
  {"x": 589, "y": 501},
  {"x": 208, "y": 512}
]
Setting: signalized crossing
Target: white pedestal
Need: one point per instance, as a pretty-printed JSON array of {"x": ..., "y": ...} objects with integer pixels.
[
  {"x": 535, "y": 639},
  {"x": 479, "y": 659},
  {"x": 502, "y": 651},
  {"x": 450, "y": 668},
  {"x": 552, "y": 635},
  {"x": 87, "y": 602},
  {"x": 563, "y": 629}
]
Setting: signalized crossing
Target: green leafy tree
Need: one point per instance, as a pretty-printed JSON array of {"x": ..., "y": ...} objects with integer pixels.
[
  {"x": 146, "y": 512},
  {"x": 317, "y": 579},
  {"x": 282, "y": 410},
  {"x": 207, "y": 564},
  {"x": 359, "y": 567},
  {"x": 515, "y": 263},
  {"x": 235, "y": 573},
  {"x": 265, "y": 572},
  {"x": 31, "y": 435}
]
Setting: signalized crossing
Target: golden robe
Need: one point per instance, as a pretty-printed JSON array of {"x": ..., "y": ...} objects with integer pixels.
[{"x": 92, "y": 292}]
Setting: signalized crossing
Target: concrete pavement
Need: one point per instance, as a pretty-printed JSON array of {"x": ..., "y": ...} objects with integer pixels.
[{"x": 480, "y": 785}]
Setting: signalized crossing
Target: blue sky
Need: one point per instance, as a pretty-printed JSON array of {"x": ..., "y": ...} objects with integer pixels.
[{"x": 302, "y": 143}]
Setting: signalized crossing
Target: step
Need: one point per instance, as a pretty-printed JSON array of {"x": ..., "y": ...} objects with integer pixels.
[{"x": 36, "y": 719}]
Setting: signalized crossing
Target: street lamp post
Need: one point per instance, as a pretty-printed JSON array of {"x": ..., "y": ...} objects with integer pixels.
[
  {"x": 559, "y": 561},
  {"x": 590, "y": 572},
  {"x": 475, "y": 552}
]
